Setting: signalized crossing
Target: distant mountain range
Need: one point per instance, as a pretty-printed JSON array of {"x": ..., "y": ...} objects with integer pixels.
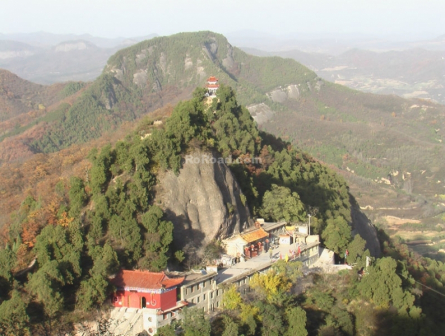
[
  {"x": 43, "y": 39},
  {"x": 50, "y": 58}
]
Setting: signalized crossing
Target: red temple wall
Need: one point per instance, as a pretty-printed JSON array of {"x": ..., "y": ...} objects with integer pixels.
[
  {"x": 168, "y": 299},
  {"x": 163, "y": 301}
]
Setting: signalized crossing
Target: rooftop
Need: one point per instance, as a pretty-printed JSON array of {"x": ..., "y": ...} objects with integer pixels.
[
  {"x": 270, "y": 226},
  {"x": 144, "y": 279},
  {"x": 253, "y": 265},
  {"x": 254, "y": 235},
  {"x": 193, "y": 278}
]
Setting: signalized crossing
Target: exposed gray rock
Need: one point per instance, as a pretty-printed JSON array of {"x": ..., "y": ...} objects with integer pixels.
[
  {"x": 282, "y": 94},
  {"x": 278, "y": 95},
  {"x": 200, "y": 70},
  {"x": 203, "y": 201},
  {"x": 211, "y": 50},
  {"x": 188, "y": 62},
  {"x": 362, "y": 225},
  {"x": 140, "y": 78},
  {"x": 141, "y": 56},
  {"x": 207, "y": 53},
  {"x": 213, "y": 47},
  {"x": 118, "y": 73},
  {"x": 163, "y": 62},
  {"x": 229, "y": 62},
  {"x": 108, "y": 99},
  {"x": 260, "y": 113},
  {"x": 293, "y": 92},
  {"x": 319, "y": 84}
]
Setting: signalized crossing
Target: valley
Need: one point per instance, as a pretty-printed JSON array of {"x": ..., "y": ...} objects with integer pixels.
[{"x": 410, "y": 73}]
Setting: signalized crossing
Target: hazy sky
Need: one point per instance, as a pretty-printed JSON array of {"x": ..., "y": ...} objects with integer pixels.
[{"x": 112, "y": 18}]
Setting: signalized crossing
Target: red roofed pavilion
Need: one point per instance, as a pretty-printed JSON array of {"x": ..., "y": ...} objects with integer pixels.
[
  {"x": 143, "y": 289},
  {"x": 212, "y": 85}
]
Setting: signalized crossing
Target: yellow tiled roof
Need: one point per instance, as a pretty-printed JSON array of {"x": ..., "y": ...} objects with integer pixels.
[{"x": 254, "y": 235}]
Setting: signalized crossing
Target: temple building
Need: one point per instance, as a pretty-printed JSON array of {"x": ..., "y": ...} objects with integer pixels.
[
  {"x": 152, "y": 296},
  {"x": 212, "y": 86},
  {"x": 141, "y": 289},
  {"x": 248, "y": 244}
]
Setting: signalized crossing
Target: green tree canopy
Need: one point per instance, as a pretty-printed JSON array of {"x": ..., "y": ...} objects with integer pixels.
[
  {"x": 280, "y": 203},
  {"x": 337, "y": 235},
  {"x": 296, "y": 321},
  {"x": 14, "y": 320},
  {"x": 195, "y": 323}
]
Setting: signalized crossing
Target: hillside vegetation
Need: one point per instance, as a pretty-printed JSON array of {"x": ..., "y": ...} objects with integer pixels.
[
  {"x": 146, "y": 76},
  {"x": 388, "y": 148},
  {"x": 18, "y": 96},
  {"x": 106, "y": 218},
  {"x": 81, "y": 219}
]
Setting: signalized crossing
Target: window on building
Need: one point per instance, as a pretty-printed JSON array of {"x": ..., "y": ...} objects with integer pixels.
[
  {"x": 191, "y": 289},
  {"x": 204, "y": 284},
  {"x": 203, "y": 297},
  {"x": 197, "y": 299},
  {"x": 211, "y": 295}
]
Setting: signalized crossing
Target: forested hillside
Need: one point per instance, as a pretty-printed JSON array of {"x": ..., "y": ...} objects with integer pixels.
[
  {"x": 18, "y": 96},
  {"x": 106, "y": 218},
  {"x": 388, "y": 148},
  {"x": 148, "y": 75}
]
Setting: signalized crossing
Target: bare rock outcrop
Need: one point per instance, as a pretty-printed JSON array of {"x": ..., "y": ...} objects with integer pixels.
[
  {"x": 260, "y": 113},
  {"x": 281, "y": 94},
  {"x": 203, "y": 201},
  {"x": 364, "y": 227}
]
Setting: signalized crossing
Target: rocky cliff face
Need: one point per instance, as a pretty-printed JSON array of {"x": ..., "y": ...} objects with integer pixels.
[
  {"x": 261, "y": 113},
  {"x": 364, "y": 227},
  {"x": 203, "y": 201}
]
